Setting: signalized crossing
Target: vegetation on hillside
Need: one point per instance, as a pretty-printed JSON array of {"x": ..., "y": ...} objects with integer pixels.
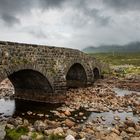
[
  {"x": 127, "y": 48},
  {"x": 119, "y": 58},
  {"x": 121, "y": 63}
]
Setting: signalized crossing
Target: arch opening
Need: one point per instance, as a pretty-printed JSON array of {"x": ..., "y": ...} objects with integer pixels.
[
  {"x": 96, "y": 73},
  {"x": 30, "y": 84},
  {"x": 76, "y": 76}
]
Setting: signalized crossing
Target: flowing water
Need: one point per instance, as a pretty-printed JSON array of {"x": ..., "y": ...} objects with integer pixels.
[
  {"x": 109, "y": 116},
  {"x": 35, "y": 110},
  {"x": 122, "y": 92}
]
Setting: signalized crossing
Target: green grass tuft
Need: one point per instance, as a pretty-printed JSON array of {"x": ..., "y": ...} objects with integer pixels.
[
  {"x": 55, "y": 137},
  {"x": 15, "y": 134}
]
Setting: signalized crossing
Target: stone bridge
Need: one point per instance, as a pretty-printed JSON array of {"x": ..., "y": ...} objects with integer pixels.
[{"x": 39, "y": 72}]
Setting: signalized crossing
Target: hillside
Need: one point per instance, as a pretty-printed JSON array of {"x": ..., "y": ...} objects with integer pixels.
[
  {"x": 119, "y": 58},
  {"x": 128, "y": 48}
]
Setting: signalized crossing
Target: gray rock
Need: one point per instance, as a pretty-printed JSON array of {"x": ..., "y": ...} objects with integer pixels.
[
  {"x": 2, "y": 132},
  {"x": 135, "y": 138},
  {"x": 90, "y": 137},
  {"x": 130, "y": 130},
  {"x": 10, "y": 126},
  {"x": 69, "y": 137},
  {"x": 25, "y": 122},
  {"x": 18, "y": 121},
  {"x": 70, "y": 132},
  {"x": 39, "y": 125},
  {"x": 24, "y": 137}
]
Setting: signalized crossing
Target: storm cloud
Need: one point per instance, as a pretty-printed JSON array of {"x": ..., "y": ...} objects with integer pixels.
[
  {"x": 123, "y": 5},
  {"x": 70, "y": 23},
  {"x": 9, "y": 19}
]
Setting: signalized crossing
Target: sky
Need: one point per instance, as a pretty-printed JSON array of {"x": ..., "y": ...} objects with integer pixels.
[{"x": 70, "y": 23}]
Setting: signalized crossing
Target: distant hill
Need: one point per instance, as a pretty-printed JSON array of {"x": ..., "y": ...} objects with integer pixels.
[{"x": 128, "y": 48}]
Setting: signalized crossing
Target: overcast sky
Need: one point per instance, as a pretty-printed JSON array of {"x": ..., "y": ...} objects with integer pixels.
[{"x": 70, "y": 23}]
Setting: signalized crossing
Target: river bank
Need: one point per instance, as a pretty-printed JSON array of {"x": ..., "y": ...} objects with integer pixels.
[{"x": 96, "y": 112}]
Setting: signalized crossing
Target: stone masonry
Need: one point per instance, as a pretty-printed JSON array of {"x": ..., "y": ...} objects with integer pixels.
[{"x": 39, "y": 72}]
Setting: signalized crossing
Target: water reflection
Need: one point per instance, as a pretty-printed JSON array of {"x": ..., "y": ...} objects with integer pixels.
[
  {"x": 16, "y": 107},
  {"x": 122, "y": 92},
  {"x": 109, "y": 116},
  {"x": 37, "y": 110},
  {"x": 23, "y": 106},
  {"x": 7, "y": 107}
]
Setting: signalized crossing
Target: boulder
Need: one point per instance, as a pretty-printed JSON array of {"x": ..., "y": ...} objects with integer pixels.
[
  {"x": 2, "y": 132},
  {"x": 112, "y": 136},
  {"x": 24, "y": 137},
  {"x": 39, "y": 125},
  {"x": 26, "y": 122},
  {"x": 69, "y": 137},
  {"x": 130, "y": 130},
  {"x": 70, "y": 132},
  {"x": 39, "y": 137},
  {"x": 115, "y": 131},
  {"x": 69, "y": 123},
  {"x": 135, "y": 138},
  {"x": 58, "y": 131},
  {"x": 67, "y": 113}
]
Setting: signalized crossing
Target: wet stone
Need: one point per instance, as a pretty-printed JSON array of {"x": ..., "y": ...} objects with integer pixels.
[{"x": 94, "y": 111}]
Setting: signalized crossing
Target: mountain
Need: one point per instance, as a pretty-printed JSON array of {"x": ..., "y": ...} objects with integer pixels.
[{"x": 131, "y": 47}]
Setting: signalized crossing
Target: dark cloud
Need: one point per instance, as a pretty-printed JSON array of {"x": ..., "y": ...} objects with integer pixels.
[
  {"x": 51, "y": 3},
  {"x": 82, "y": 14},
  {"x": 19, "y": 6},
  {"x": 97, "y": 17},
  {"x": 9, "y": 20},
  {"x": 15, "y": 6},
  {"x": 9, "y": 9},
  {"x": 78, "y": 22},
  {"x": 123, "y": 5}
]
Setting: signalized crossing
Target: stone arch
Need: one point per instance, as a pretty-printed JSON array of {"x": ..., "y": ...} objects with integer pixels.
[
  {"x": 30, "y": 79},
  {"x": 5, "y": 71},
  {"x": 30, "y": 82},
  {"x": 96, "y": 73},
  {"x": 76, "y": 76}
]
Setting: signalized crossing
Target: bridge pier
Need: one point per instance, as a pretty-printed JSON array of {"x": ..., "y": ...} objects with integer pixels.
[{"x": 39, "y": 96}]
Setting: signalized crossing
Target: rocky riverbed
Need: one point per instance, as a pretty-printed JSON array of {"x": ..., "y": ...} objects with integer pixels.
[{"x": 99, "y": 112}]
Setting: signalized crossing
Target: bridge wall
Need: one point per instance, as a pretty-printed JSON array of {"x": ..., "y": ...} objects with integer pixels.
[{"x": 52, "y": 62}]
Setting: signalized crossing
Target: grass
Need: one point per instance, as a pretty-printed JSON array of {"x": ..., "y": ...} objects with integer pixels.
[
  {"x": 55, "y": 137},
  {"x": 15, "y": 134},
  {"x": 119, "y": 58},
  {"x": 129, "y": 63}
]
